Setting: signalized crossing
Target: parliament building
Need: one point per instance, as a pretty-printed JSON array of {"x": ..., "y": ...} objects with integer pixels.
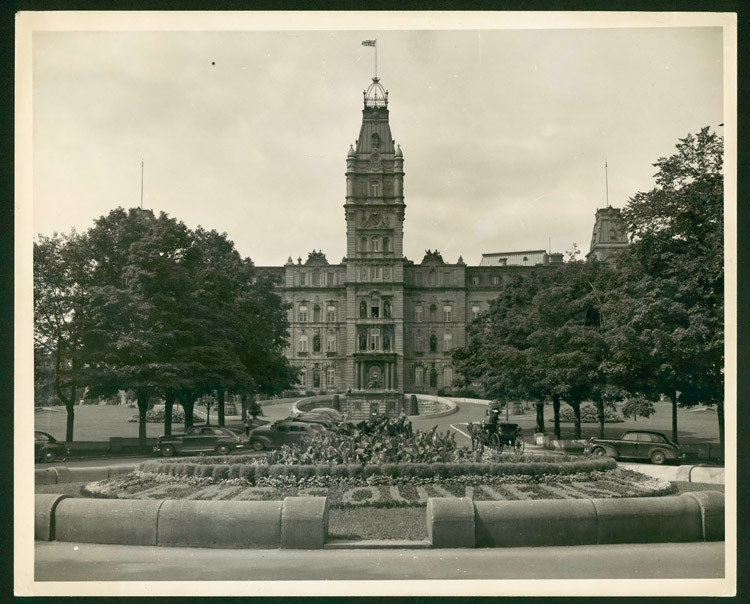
[{"x": 377, "y": 320}]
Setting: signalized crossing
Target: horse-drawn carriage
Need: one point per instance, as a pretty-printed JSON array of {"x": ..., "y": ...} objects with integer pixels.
[{"x": 496, "y": 436}]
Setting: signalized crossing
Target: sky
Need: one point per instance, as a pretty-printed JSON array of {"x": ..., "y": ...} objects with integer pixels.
[{"x": 504, "y": 132}]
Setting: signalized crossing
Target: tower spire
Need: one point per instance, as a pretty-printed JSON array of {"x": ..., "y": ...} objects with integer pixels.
[{"x": 141, "y": 183}]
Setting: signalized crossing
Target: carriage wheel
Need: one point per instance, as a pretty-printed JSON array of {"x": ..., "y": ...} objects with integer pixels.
[
  {"x": 495, "y": 442},
  {"x": 519, "y": 446}
]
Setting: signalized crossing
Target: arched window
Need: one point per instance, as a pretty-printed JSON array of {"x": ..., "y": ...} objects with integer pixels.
[
  {"x": 375, "y": 243},
  {"x": 447, "y": 314},
  {"x": 433, "y": 342},
  {"x": 363, "y": 244},
  {"x": 303, "y": 343},
  {"x": 316, "y": 379},
  {"x": 375, "y": 140},
  {"x": 316, "y": 313},
  {"x": 433, "y": 312},
  {"x": 433, "y": 378},
  {"x": 386, "y": 342},
  {"x": 303, "y": 377},
  {"x": 331, "y": 343},
  {"x": 316, "y": 278},
  {"x": 363, "y": 341},
  {"x": 432, "y": 277},
  {"x": 447, "y": 377},
  {"x": 418, "y": 314},
  {"x": 386, "y": 243},
  {"x": 316, "y": 343},
  {"x": 374, "y": 189},
  {"x": 363, "y": 309},
  {"x": 387, "y": 308},
  {"x": 418, "y": 376},
  {"x": 418, "y": 341},
  {"x": 330, "y": 377}
]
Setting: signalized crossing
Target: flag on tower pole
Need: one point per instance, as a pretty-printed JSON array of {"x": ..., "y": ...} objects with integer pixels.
[{"x": 369, "y": 42}]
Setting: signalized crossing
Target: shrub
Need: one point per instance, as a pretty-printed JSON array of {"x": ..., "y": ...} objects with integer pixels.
[
  {"x": 221, "y": 472},
  {"x": 247, "y": 472},
  {"x": 590, "y": 415}
]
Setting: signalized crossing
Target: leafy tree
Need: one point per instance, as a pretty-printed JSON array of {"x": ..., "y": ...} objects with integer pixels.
[
  {"x": 58, "y": 300},
  {"x": 132, "y": 323},
  {"x": 667, "y": 305}
]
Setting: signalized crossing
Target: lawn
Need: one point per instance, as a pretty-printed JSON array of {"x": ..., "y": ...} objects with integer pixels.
[{"x": 101, "y": 422}]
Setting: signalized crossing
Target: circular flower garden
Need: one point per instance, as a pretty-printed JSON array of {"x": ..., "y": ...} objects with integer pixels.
[{"x": 380, "y": 467}]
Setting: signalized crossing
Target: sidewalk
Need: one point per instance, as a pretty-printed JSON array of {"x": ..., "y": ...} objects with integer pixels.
[{"x": 57, "y": 561}]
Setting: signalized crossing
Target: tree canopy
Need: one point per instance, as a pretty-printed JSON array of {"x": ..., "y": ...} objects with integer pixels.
[{"x": 165, "y": 310}]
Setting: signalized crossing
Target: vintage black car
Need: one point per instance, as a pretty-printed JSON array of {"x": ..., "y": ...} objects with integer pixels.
[
  {"x": 282, "y": 432},
  {"x": 46, "y": 448},
  {"x": 638, "y": 444},
  {"x": 199, "y": 439}
]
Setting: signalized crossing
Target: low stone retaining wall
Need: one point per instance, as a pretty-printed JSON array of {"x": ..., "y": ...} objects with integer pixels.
[
  {"x": 294, "y": 523},
  {"x": 431, "y": 406},
  {"x": 703, "y": 474},
  {"x": 466, "y": 523},
  {"x": 62, "y": 474}
]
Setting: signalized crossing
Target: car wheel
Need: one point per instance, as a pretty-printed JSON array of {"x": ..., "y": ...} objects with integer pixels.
[
  {"x": 658, "y": 457},
  {"x": 49, "y": 456},
  {"x": 258, "y": 445},
  {"x": 598, "y": 452},
  {"x": 167, "y": 450},
  {"x": 223, "y": 449}
]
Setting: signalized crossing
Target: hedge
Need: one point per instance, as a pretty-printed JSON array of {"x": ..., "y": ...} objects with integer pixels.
[{"x": 252, "y": 473}]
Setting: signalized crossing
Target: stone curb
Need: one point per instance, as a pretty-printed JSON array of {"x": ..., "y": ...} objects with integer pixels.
[
  {"x": 295, "y": 523},
  {"x": 685, "y": 518},
  {"x": 63, "y": 474}
]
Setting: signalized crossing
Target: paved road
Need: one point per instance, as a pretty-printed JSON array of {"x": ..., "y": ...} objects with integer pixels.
[{"x": 57, "y": 561}]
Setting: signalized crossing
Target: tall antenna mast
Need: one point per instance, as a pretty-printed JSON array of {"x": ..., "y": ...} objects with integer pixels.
[
  {"x": 606, "y": 180},
  {"x": 141, "y": 183}
]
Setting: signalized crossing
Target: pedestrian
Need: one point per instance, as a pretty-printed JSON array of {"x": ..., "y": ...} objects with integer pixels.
[{"x": 247, "y": 427}]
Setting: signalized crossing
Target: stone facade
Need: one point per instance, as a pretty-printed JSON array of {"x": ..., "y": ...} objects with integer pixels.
[{"x": 377, "y": 320}]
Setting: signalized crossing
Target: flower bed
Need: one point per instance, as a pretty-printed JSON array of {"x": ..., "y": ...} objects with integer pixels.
[{"x": 381, "y": 490}]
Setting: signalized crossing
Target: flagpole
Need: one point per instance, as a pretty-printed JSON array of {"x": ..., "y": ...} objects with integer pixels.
[
  {"x": 141, "y": 183},
  {"x": 376, "y": 57},
  {"x": 606, "y": 180}
]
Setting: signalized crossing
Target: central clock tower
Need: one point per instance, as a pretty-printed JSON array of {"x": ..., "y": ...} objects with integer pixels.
[{"x": 374, "y": 254}]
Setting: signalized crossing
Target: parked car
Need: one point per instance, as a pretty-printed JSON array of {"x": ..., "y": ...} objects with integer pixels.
[
  {"x": 46, "y": 447},
  {"x": 314, "y": 418},
  {"x": 282, "y": 432},
  {"x": 638, "y": 444},
  {"x": 198, "y": 439}
]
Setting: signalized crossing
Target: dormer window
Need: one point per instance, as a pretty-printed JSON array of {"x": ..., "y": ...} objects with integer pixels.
[{"x": 375, "y": 141}]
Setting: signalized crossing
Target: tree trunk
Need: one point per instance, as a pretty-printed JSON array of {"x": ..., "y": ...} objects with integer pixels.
[
  {"x": 69, "y": 402},
  {"x": 142, "y": 398},
  {"x": 556, "y": 411},
  {"x": 720, "y": 417},
  {"x": 187, "y": 406},
  {"x": 169, "y": 397},
  {"x": 600, "y": 410},
  {"x": 577, "y": 411},
  {"x": 220, "y": 405},
  {"x": 673, "y": 396},
  {"x": 540, "y": 417}
]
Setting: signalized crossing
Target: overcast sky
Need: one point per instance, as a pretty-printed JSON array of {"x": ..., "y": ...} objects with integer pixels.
[{"x": 504, "y": 132}]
